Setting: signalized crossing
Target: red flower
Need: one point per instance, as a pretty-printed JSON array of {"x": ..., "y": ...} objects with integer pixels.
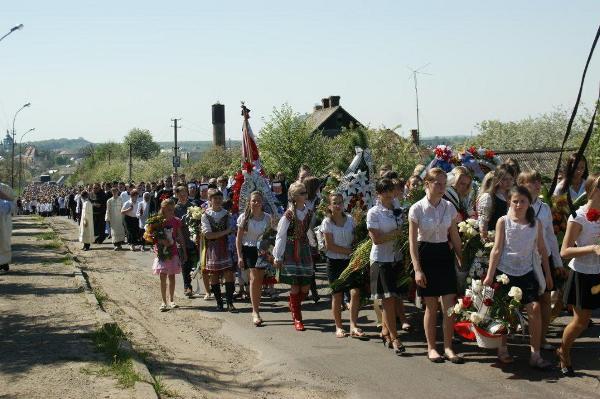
[
  {"x": 467, "y": 302},
  {"x": 593, "y": 215},
  {"x": 495, "y": 286},
  {"x": 472, "y": 150},
  {"x": 490, "y": 154},
  {"x": 488, "y": 301}
]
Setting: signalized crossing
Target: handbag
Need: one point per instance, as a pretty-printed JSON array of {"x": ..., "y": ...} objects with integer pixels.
[{"x": 537, "y": 266}]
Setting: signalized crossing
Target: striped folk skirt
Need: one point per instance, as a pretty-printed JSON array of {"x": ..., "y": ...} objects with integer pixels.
[{"x": 297, "y": 263}]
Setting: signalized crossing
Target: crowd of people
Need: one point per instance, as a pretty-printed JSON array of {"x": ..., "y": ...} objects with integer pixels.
[{"x": 260, "y": 248}]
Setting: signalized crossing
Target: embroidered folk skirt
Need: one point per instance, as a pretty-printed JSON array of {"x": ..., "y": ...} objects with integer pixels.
[
  {"x": 218, "y": 258},
  {"x": 297, "y": 263}
]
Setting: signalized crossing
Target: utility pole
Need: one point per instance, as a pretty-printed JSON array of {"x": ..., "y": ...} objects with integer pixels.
[
  {"x": 414, "y": 76},
  {"x": 130, "y": 161},
  {"x": 176, "y": 161}
]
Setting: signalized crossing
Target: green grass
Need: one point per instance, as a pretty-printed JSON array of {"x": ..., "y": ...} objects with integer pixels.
[
  {"x": 52, "y": 245},
  {"x": 161, "y": 389},
  {"x": 108, "y": 340},
  {"x": 47, "y": 236},
  {"x": 100, "y": 295},
  {"x": 67, "y": 260}
]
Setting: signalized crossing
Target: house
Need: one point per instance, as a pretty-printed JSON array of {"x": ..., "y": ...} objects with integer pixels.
[{"x": 330, "y": 118}]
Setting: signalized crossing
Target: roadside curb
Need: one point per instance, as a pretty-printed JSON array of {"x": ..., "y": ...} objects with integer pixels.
[{"x": 144, "y": 389}]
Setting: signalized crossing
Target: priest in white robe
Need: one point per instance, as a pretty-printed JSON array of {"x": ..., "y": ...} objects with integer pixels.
[
  {"x": 115, "y": 218},
  {"x": 86, "y": 226}
]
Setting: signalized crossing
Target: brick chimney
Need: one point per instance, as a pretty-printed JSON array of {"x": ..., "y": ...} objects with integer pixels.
[
  {"x": 334, "y": 101},
  {"x": 414, "y": 133},
  {"x": 325, "y": 102},
  {"x": 318, "y": 107}
]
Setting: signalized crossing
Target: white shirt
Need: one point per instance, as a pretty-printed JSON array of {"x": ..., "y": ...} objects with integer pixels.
[
  {"x": 484, "y": 208},
  {"x": 434, "y": 221},
  {"x": 519, "y": 243},
  {"x": 256, "y": 228},
  {"x": 590, "y": 235},
  {"x": 544, "y": 215},
  {"x": 343, "y": 236},
  {"x": 125, "y": 196},
  {"x": 559, "y": 190},
  {"x": 133, "y": 211},
  {"x": 383, "y": 219},
  {"x": 282, "y": 228},
  {"x": 217, "y": 216},
  {"x": 143, "y": 212}
]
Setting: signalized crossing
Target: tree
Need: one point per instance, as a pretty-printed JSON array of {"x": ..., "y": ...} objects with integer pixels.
[
  {"x": 544, "y": 131},
  {"x": 286, "y": 142},
  {"x": 389, "y": 148},
  {"x": 215, "y": 162},
  {"x": 142, "y": 143}
]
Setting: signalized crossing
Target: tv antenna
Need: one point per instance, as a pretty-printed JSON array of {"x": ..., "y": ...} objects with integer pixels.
[{"x": 415, "y": 72}]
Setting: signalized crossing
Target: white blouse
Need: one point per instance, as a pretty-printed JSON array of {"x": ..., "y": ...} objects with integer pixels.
[
  {"x": 559, "y": 190},
  {"x": 544, "y": 214},
  {"x": 590, "y": 235},
  {"x": 484, "y": 208},
  {"x": 383, "y": 219},
  {"x": 282, "y": 228},
  {"x": 519, "y": 243},
  {"x": 217, "y": 216},
  {"x": 342, "y": 235},
  {"x": 256, "y": 228},
  {"x": 434, "y": 221}
]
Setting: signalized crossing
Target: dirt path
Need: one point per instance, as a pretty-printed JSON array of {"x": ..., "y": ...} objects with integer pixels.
[
  {"x": 186, "y": 347},
  {"x": 43, "y": 320}
]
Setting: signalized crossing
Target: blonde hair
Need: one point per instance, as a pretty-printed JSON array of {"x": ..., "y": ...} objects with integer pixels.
[
  {"x": 331, "y": 196},
  {"x": 295, "y": 189},
  {"x": 248, "y": 211},
  {"x": 459, "y": 172},
  {"x": 166, "y": 203},
  {"x": 592, "y": 183},
  {"x": 529, "y": 177},
  {"x": 433, "y": 174}
]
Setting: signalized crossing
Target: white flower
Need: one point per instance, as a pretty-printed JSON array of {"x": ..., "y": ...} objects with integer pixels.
[
  {"x": 471, "y": 231},
  {"x": 472, "y": 222},
  {"x": 481, "y": 151},
  {"x": 469, "y": 292},
  {"x": 489, "y": 244},
  {"x": 475, "y": 318},
  {"x": 516, "y": 293},
  {"x": 457, "y": 308},
  {"x": 503, "y": 278},
  {"x": 469, "y": 279},
  {"x": 462, "y": 227},
  {"x": 491, "y": 235},
  {"x": 476, "y": 286},
  {"x": 479, "y": 253}
]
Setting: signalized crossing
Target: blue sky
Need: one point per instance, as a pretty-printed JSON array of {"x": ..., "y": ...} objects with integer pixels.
[{"x": 98, "y": 68}]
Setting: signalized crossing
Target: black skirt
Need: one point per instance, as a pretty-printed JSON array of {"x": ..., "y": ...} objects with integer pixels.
[
  {"x": 250, "y": 256},
  {"x": 437, "y": 263},
  {"x": 578, "y": 290},
  {"x": 384, "y": 280},
  {"x": 527, "y": 283}
]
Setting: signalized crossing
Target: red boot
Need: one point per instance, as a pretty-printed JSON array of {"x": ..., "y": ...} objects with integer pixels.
[{"x": 296, "y": 312}]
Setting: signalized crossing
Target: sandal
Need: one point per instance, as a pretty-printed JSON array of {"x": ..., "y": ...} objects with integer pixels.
[
  {"x": 340, "y": 333},
  {"x": 538, "y": 362},
  {"x": 387, "y": 341},
  {"x": 399, "y": 348},
  {"x": 257, "y": 320},
  {"x": 164, "y": 307},
  {"x": 357, "y": 333},
  {"x": 504, "y": 357}
]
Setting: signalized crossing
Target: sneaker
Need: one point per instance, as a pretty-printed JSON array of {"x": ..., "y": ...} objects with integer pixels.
[
  {"x": 163, "y": 307},
  {"x": 174, "y": 305}
]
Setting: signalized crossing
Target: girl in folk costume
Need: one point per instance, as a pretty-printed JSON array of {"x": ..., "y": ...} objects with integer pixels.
[
  {"x": 292, "y": 251},
  {"x": 518, "y": 236},
  {"x": 215, "y": 229},
  {"x": 432, "y": 237},
  {"x": 492, "y": 202},
  {"x": 168, "y": 268},
  {"x": 384, "y": 224},
  {"x": 313, "y": 198},
  {"x": 338, "y": 231},
  {"x": 582, "y": 245},
  {"x": 458, "y": 193},
  {"x": 86, "y": 224},
  {"x": 252, "y": 224},
  {"x": 115, "y": 218},
  {"x": 532, "y": 180}
]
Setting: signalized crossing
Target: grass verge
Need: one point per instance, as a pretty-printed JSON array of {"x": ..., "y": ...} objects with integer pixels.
[
  {"x": 108, "y": 340},
  {"x": 47, "y": 236},
  {"x": 100, "y": 296},
  {"x": 52, "y": 245},
  {"x": 162, "y": 390}
]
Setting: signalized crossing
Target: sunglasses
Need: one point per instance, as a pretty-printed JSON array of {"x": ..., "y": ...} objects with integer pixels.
[{"x": 303, "y": 193}]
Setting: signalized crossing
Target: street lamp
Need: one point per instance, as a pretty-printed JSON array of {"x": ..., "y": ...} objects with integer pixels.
[
  {"x": 18, "y": 27},
  {"x": 12, "y": 161},
  {"x": 21, "y": 159}
]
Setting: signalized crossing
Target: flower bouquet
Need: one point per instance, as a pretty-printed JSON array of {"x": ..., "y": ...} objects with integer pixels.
[
  {"x": 155, "y": 230},
  {"x": 193, "y": 221},
  {"x": 475, "y": 252},
  {"x": 487, "y": 313}
]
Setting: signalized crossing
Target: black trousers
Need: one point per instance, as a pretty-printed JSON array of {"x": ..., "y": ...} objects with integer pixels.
[
  {"x": 99, "y": 224},
  {"x": 133, "y": 230}
]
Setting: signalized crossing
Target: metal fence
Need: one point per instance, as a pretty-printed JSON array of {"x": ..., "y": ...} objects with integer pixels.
[{"x": 542, "y": 160}]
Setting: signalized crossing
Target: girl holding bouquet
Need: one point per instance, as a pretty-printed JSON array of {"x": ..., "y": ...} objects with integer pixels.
[
  {"x": 216, "y": 228},
  {"x": 338, "y": 231},
  {"x": 167, "y": 263},
  {"x": 432, "y": 222},
  {"x": 292, "y": 251},
  {"x": 251, "y": 225},
  {"x": 582, "y": 245},
  {"x": 532, "y": 180},
  {"x": 518, "y": 236}
]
